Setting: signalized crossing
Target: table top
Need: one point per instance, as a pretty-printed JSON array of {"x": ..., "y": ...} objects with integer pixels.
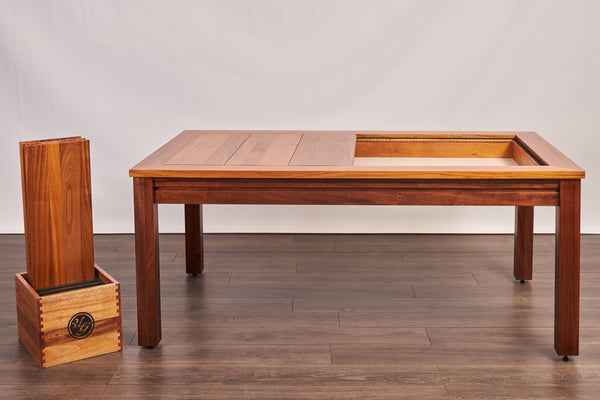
[{"x": 357, "y": 155}]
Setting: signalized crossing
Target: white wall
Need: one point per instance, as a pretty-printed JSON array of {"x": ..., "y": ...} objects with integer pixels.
[{"x": 129, "y": 75}]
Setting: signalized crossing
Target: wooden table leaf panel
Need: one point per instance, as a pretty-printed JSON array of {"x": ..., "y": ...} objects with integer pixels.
[{"x": 518, "y": 169}]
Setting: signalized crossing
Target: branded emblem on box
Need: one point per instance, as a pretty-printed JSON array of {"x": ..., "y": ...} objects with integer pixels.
[{"x": 81, "y": 325}]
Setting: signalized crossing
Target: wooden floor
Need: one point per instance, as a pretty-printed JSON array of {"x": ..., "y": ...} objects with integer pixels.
[{"x": 328, "y": 317}]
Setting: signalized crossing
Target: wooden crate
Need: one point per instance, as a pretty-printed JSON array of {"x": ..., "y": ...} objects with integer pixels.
[{"x": 70, "y": 325}]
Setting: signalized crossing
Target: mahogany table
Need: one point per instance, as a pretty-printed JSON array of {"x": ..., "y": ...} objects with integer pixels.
[{"x": 516, "y": 169}]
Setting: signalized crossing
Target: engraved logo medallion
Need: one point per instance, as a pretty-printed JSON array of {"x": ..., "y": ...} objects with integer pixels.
[{"x": 81, "y": 325}]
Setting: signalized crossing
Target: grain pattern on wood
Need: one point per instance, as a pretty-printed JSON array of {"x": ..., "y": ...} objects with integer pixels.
[
  {"x": 458, "y": 317},
  {"x": 100, "y": 301},
  {"x": 356, "y": 192},
  {"x": 479, "y": 135},
  {"x": 315, "y": 381},
  {"x": 229, "y": 304},
  {"x": 289, "y": 391},
  {"x": 511, "y": 336},
  {"x": 241, "y": 353},
  {"x": 245, "y": 319},
  {"x": 266, "y": 149},
  {"x": 439, "y": 197},
  {"x": 57, "y": 211},
  {"x": 162, "y": 155},
  {"x": 261, "y": 243},
  {"x": 76, "y": 187},
  {"x": 566, "y": 298},
  {"x": 318, "y": 184},
  {"x": 527, "y": 382},
  {"x": 470, "y": 354},
  {"x": 297, "y": 335},
  {"x": 333, "y": 278},
  {"x": 325, "y": 149},
  {"x": 245, "y": 374},
  {"x": 420, "y": 147},
  {"x": 357, "y": 172},
  {"x": 209, "y": 149},
  {"x": 288, "y": 290}
]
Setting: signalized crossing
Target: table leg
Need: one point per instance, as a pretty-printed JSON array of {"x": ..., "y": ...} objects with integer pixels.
[
  {"x": 194, "y": 252},
  {"x": 566, "y": 286},
  {"x": 147, "y": 262},
  {"x": 523, "y": 264}
]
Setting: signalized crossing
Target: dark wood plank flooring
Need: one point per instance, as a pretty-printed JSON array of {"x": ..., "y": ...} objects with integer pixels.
[{"x": 328, "y": 317}]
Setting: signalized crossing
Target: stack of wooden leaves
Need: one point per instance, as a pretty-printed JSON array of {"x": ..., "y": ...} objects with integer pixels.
[{"x": 57, "y": 203}]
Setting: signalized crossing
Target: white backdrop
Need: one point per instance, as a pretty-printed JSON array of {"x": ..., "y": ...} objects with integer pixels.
[{"x": 129, "y": 75}]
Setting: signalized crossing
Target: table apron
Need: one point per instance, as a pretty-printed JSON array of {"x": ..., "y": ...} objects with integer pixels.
[{"x": 357, "y": 192}]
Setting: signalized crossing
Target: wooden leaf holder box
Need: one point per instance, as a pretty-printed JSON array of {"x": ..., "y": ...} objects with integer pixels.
[
  {"x": 69, "y": 325},
  {"x": 68, "y": 308}
]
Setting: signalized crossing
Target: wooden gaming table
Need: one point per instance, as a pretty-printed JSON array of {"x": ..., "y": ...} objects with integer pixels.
[{"x": 516, "y": 169}]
